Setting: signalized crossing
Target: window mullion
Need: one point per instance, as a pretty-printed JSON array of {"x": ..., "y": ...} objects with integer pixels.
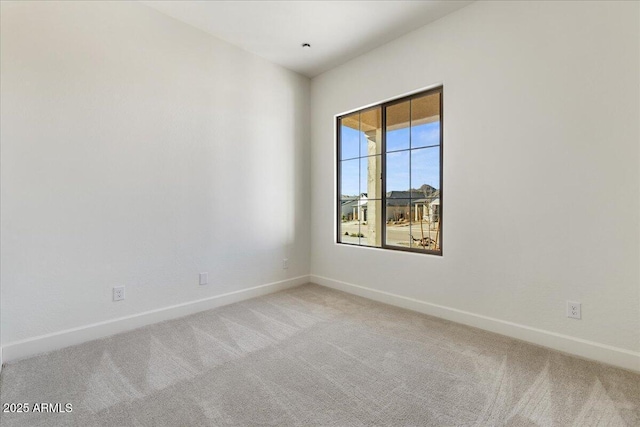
[
  {"x": 410, "y": 180},
  {"x": 383, "y": 174}
]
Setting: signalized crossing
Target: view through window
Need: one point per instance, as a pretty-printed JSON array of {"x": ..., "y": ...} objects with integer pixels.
[{"x": 390, "y": 174}]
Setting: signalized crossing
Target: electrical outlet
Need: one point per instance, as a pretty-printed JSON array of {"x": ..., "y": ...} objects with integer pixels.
[
  {"x": 118, "y": 293},
  {"x": 285, "y": 263},
  {"x": 204, "y": 278},
  {"x": 574, "y": 310}
]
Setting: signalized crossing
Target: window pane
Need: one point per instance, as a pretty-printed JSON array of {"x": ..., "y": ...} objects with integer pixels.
[
  {"x": 398, "y": 222},
  {"x": 424, "y": 231},
  {"x": 350, "y": 136},
  {"x": 398, "y": 126},
  {"x": 425, "y": 170},
  {"x": 370, "y": 176},
  {"x": 349, "y": 178},
  {"x": 349, "y": 225},
  {"x": 370, "y": 223},
  {"x": 348, "y": 208},
  {"x": 425, "y": 121},
  {"x": 425, "y": 135},
  {"x": 398, "y": 174},
  {"x": 371, "y": 132}
]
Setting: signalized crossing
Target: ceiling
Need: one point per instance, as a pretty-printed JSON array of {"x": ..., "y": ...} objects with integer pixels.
[{"x": 337, "y": 30}]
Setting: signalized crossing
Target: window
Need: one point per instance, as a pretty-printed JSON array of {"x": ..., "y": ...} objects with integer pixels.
[{"x": 390, "y": 175}]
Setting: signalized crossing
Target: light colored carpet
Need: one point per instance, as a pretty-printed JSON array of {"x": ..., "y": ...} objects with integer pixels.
[{"x": 315, "y": 356}]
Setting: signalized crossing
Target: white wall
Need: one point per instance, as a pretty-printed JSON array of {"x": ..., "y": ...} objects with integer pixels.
[
  {"x": 139, "y": 151},
  {"x": 541, "y": 171}
]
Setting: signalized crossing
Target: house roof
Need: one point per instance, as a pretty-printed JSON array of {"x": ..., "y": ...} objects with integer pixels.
[
  {"x": 413, "y": 194},
  {"x": 394, "y": 198},
  {"x": 352, "y": 202}
]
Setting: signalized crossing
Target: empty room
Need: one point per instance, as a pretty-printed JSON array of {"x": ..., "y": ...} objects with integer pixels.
[{"x": 320, "y": 213}]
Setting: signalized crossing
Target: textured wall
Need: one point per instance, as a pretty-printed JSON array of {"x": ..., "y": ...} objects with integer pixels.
[
  {"x": 139, "y": 151},
  {"x": 541, "y": 183}
]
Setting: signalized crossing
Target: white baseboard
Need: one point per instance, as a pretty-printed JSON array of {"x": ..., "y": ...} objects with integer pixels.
[
  {"x": 616, "y": 356},
  {"x": 57, "y": 340}
]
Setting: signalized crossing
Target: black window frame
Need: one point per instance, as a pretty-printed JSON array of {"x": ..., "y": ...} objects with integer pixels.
[{"x": 383, "y": 152}]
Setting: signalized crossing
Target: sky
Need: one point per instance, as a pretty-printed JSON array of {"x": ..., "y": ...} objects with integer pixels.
[{"x": 413, "y": 157}]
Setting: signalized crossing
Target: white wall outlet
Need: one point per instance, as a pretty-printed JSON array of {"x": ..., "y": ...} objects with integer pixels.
[
  {"x": 204, "y": 278},
  {"x": 574, "y": 310},
  {"x": 118, "y": 293},
  {"x": 285, "y": 263}
]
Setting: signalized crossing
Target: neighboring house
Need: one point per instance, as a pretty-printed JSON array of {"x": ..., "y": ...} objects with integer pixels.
[
  {"x": 398, "y": 209},
  {"x": 434, "y": 210},
  {"x": 400, "y": 205},
  {"x": 354, "y": 207},
  {"x": 427, "y": 208},
  {"x": 413, "y": 204}
]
